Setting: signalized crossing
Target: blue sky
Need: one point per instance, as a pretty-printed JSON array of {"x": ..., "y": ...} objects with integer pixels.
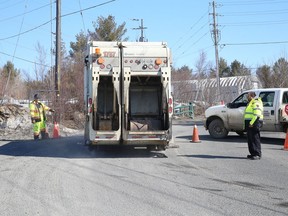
[{"x": 254, "y": 32}]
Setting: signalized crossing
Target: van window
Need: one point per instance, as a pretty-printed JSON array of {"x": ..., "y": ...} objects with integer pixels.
[
  {"x": 285, "y": 98},
  {"x": 267, "y": 98}
]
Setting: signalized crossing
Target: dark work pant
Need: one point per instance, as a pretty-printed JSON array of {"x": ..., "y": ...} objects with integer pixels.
[{"x": 253, "y": 138}]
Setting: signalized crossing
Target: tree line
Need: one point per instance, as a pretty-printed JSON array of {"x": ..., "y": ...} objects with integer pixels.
[
  {"x": 270, "y": 76},
  {"x": 22, "y": 85}
]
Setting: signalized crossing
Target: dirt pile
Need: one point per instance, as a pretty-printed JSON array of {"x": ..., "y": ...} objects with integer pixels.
[{"x": 15, "y": 123}]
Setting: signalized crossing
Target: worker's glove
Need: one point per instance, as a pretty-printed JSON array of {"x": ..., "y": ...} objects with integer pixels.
[
  {"x": 52, "y": 110},
  {"x": 34, "y": 120}
]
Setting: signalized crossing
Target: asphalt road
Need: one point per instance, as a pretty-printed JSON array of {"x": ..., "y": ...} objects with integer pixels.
[{"x": 62, "y": 177}]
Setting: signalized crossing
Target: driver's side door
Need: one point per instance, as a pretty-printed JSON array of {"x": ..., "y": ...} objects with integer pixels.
[{"x": 235, "y": 112}]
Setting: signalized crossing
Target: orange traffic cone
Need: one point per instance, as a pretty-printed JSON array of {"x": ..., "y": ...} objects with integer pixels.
[
  {"x": 195, "y": 136},
  {"x": 286, "y": 141},
  {"x": 56, "y": 133}
]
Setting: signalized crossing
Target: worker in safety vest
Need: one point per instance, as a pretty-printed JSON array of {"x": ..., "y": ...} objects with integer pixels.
[
  {"x": 38, "y": 117},
  {"x": 253, "y": 117}
]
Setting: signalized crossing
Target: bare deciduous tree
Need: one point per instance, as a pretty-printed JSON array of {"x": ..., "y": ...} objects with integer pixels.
[
  {"x": 40, "y": 68},
  {"x": 280, "y": 69},
  {"x": 275, "y": 75},
  {"x": 181, "y": 83},
  {"x": 264, "y": 74}
]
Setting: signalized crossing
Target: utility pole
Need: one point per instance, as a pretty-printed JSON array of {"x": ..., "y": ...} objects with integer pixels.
[
  {"x": 141, "y": 27},
  {"x": 215, "y": 34},
  {"x": 58, "y": 48}
]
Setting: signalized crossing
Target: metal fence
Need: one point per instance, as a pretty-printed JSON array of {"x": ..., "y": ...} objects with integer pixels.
[{"x": 184, "y": 111}]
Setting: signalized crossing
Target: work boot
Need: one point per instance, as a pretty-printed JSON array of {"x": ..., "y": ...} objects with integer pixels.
[
  {"x": 43, "y": 135},
  {"x": 256, "y": 157},
  {"x": 36, "y": 137}
]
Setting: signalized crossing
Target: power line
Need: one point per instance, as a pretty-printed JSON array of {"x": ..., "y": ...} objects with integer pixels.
[
  {"x": 33, "y": 62},
  {"x": 26, "y": 60},
  {"x": 17, "y": 3},
  {"x": 192, "y": 27},
  {"x": 26, "y": 31},
  {"x": 83, "y": 23},
  {"x": 280, "y": 22},
  {"x": 239, "y": 3},
  {"x": 10, "y": 70},
  {"x": 256, "y": 13},
  {"x": 9, "y": 18},
  {"x": 89, "y": 8},
  {"x": 45, "y": 23},
  {"x": 193, "y": 35},
  {"x": 254, "y": 43},
  {"x": 202, "y": 36}
]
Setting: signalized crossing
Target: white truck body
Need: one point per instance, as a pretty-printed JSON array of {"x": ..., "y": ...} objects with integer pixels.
[
  {"x": 128, "y": 94},
  {"x": 221, "y": 119}
]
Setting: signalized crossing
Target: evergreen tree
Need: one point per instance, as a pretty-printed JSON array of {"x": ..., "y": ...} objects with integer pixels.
[
  {"x": 106, "y": 29},
  {"x": 224, "y": 69}
]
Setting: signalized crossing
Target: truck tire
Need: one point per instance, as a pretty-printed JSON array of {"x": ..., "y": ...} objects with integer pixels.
[{"x": 217, "y": 130}]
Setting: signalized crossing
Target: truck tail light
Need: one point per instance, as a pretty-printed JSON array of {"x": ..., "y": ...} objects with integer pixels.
[
  {"x": 90, "y": 105},
  {"x": 158, "y": 61},
  {"x": 170, "y": 103},
  {"x": 100, "y": 60}
]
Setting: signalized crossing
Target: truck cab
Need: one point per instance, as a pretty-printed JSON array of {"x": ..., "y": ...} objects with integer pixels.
[{"x": 221, "y": 119}]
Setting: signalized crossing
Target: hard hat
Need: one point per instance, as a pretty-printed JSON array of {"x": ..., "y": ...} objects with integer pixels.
[{"x": 36, "y": 97}]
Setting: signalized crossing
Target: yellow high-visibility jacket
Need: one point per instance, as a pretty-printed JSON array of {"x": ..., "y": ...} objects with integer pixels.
[
  {"x": 254, "y": 110},
  {"x": 38, "y": 111}
]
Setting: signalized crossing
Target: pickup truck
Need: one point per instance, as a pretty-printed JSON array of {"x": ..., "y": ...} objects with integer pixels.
[{"x": 221, "y": 119}]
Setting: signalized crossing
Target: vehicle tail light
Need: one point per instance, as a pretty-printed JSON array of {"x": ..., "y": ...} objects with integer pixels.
[
  {"x": 170, "y": 103},
  {"x": 100, "y": 60},
  {"x": 90, "y": 105},
  {"x": 158, "y": 61}
]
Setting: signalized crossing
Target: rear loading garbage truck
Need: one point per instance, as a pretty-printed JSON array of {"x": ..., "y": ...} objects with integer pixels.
[{"x": 127, "y": 90}]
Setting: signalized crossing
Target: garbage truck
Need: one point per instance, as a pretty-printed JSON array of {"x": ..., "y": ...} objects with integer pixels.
[{"x": 127, "y": 90}]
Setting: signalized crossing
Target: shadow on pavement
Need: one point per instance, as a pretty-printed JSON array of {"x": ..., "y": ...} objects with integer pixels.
[
  {"x": 212, "y": 157},
  {"x": 235, "y": 139},
  {"x": 188, "y": 122},
  {"x": 71, "y": 147}
]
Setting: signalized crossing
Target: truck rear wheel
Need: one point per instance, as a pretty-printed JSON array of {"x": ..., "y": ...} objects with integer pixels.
[{"x": 217, "y": 130}]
